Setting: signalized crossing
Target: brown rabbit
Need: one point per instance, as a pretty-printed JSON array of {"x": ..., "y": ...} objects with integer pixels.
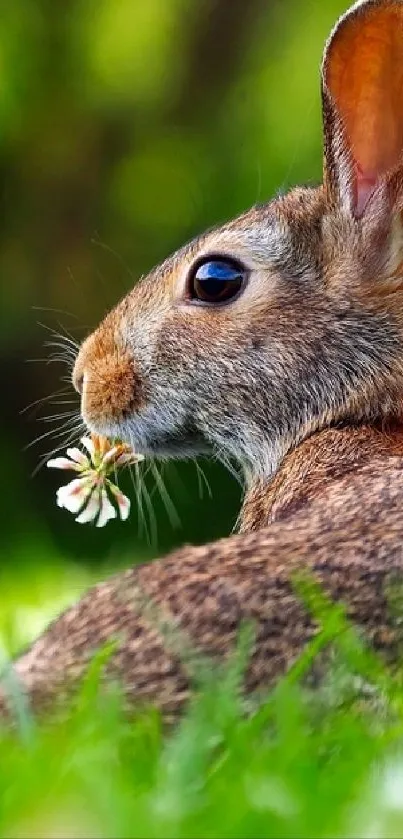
[{"x": 276, "y": 340}]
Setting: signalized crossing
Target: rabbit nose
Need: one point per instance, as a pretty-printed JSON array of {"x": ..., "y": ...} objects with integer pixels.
[
  {"x": 78, "y": 375},
  {"x": 78, "y": 382}
]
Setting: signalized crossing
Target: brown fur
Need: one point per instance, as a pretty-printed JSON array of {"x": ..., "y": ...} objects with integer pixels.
[
  {"x": 348, "y": 535},
  {"x": 299, "y": 378},
  {"x": 318, "y": 462}
]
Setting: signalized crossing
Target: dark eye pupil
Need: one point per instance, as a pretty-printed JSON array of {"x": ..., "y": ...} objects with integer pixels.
[
  {"x": 214, "y": 289},
  {"x": 216, "y": 281}
]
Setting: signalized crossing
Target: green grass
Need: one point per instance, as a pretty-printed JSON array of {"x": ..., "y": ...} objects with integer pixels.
[{"x": 300, "y": 762}]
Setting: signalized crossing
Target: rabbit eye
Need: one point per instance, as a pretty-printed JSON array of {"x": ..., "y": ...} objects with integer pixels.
[{"x": 216, "y": 281}]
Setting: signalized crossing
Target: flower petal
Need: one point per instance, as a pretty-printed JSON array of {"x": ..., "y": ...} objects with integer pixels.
[
  {"x": 72, "y": 496},
  {"x": 129, "y": 457},
  {"x": 89, "y": 445},
  {"x": 110, "y": 456},
  {"x": 107, "y": 510},
  {"x": 79, "y": 457},
  {"x": 91, "y": 510},
  {"x": 122, "y": 501},
  {"x": 62, "y": 463}
]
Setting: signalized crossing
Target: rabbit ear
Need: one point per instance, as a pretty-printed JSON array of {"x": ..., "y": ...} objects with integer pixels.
[{"x": 362, "y": 90}]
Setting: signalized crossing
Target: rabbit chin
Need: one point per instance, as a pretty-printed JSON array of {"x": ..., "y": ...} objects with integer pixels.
[{"x": 150, "y": 440}]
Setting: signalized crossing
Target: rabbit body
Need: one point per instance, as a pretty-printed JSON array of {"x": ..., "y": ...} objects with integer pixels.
[
  {"x": 346, "y": 533},
  {"x": 298, "y": 377}
]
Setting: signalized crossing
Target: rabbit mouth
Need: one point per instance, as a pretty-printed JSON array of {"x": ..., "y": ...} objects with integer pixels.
[
  {"x": 151, "y": 440},
  {"x": 176, "y": 448},
  {"x": 180, "y": 445}
]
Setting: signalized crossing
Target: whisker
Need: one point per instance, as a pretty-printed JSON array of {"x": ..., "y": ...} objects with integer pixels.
[
  {"x": 69, "y": 352},
  {"x": 69, "y": 342},
  {"x": 65, "y": 427},
  {"x": 47, "y": 360},
  {"x": 77, "y": 285},
  {"x": 152, "y": 532},
  {"x": 67, "y": 362},
  {"x": 66, "y": 334},
  {"x": 63, "y": 340},
  {"x": 224, "y": 459},
  {"x": 142, "y": 494},
  {"x": 114, "y": 253},
  {"x": 74, "y": 405},
  {"x": 66, "y": 402},
  {"x": 72, "y": 439},
  {"x": 66, "y": 338},
  {"x": 202, "y": 480},
  {"x": 137, "y": 486},
  {"x": 43, "y": 399},
  {"x": 59, "y": 416},
  {"x": 173, "y": 515},
  {"x": 54, "y": 311}
]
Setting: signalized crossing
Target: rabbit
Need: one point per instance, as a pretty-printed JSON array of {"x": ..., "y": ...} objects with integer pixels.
[{"x": 275, "y": 340}]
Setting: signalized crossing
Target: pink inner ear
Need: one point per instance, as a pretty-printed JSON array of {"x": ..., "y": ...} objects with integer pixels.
[
  {"x": 363, "y": 75},
  {"x": 365, "y": 186}
]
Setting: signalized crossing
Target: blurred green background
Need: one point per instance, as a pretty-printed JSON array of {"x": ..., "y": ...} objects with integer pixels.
[{"x": 126, "y": 127}]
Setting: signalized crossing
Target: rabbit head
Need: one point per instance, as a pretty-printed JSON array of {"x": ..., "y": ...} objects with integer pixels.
[{"x": 287, "y": 319}]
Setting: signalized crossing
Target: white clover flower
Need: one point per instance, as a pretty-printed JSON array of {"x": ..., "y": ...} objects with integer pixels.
[{"x": 90, "y": 494}]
